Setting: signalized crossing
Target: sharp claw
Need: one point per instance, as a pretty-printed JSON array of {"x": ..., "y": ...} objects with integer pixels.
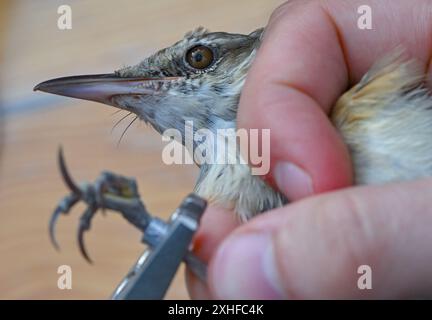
[
  {"x": 62, "y": 208},
  {"x": 52, "y": 224},
  {"x": 82, "y": 245},
  {"x": 65, "y": 174},
  {"x": 83, "y": 227}
]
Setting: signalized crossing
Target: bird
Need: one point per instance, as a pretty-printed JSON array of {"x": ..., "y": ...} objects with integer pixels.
[{"x": 385, "y": 119}]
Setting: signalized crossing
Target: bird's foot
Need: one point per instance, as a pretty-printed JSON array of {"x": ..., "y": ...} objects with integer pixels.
[{"x": 109, "y": 191}]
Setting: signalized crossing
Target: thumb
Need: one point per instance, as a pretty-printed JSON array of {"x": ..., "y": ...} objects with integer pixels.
[
  {"x": 317, "y": 247},
  {"x": 289, "y": 91}
]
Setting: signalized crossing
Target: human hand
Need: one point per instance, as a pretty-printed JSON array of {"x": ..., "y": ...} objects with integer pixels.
[{"x": 311, "y": 53}]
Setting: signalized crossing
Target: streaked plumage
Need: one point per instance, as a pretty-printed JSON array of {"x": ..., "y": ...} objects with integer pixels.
[{"x": 386, "y": 121}]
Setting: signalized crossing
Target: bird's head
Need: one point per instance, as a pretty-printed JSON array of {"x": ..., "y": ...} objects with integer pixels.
[{"x": 197, "y": 79}]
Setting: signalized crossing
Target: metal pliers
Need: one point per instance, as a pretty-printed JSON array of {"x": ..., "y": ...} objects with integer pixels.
[{"x": 169, "y": 243}]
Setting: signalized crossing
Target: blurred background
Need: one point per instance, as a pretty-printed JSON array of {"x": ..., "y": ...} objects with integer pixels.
[{"x": 105, "y": 35}]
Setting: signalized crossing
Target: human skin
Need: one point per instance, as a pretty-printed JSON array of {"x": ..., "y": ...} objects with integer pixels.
[{"x": 311, "y": 53}]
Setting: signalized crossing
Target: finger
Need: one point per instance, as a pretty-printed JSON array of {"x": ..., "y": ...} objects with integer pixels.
[
  {"x": 395, "y": 23},
  {"x": 216, "y": 224},
  {"x": 289, "y": 89},
  {"x": 311, "y": 52},
  {"x": 314, "y": 248}
]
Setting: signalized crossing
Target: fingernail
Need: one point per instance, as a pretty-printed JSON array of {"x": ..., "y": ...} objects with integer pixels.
[
  {"x": 244, "y": 268},
  {"x": 292, "y": 181}
]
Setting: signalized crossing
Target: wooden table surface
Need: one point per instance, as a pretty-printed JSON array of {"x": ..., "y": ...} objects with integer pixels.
[{"x": 105, "y": 35}]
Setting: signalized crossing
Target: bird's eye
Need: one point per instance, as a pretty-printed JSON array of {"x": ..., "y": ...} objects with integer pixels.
[{"x": 200, "y": 57}]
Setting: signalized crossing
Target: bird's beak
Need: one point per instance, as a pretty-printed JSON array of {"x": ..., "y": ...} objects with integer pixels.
[{"x": 100, "y": 87}]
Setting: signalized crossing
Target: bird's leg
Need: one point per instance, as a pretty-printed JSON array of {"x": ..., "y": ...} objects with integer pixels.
[
  {"x": 118, "y": 193},
  {"x": 110, "y": 191}
]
